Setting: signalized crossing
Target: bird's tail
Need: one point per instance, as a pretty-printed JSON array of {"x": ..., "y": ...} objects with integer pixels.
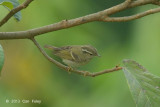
[{"x": 53, "y": 48}]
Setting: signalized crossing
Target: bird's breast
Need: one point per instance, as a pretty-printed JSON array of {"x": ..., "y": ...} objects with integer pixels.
[{"x": 73, "y": 63}]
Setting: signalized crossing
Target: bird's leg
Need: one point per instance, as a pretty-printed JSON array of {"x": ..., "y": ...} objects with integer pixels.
[
  {"x": 86, "y": 73},
  {"x": 69, "y": 68}
]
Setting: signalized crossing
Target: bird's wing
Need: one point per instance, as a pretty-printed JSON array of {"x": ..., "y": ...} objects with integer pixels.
[
  {"x": 75, "y": 56},
  {"x": 64, "y": 53}
]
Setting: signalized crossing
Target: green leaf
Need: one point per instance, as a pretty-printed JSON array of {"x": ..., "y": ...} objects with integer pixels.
[
  {"x": 10, "y": 4},
  {"x": 1, "y": 58},
  {"x": 144, "y": 86},
  {"x": 7, "y": 4}
]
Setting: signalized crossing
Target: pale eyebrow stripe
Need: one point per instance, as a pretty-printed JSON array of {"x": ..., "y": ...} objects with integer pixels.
[{"x": 84, "y": 50}]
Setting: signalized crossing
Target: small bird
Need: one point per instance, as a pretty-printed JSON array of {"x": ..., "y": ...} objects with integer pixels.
[{"x": 75, "y": 55}]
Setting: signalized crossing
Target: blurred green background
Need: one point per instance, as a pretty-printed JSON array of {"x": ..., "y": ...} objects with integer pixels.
[{"x": 27, "y": 75}]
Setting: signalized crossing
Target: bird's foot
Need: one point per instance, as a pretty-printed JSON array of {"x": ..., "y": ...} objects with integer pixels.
[
  {"x": 69, "y": 69},
  {"x": 86, "y": 73}
]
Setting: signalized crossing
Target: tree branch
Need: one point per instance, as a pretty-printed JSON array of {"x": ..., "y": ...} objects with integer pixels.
[
  {"x": 66, "y": 68},
  {"x": 99, "y": 16},
  {"x": 128, "y": 18},
  {"x": 15, "y": 10}
]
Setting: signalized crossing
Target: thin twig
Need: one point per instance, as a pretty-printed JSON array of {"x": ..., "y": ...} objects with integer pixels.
[
  {"x": 116, "y": 68},
  {"x": 15, "y": 10},
  {"x": 66, "y": 68},
  {"x": 99, "y": 16},
  {"x": 128, "y": 18},
  {"x": 48, "y": 57},
  {"x": 157, "y": 3}
]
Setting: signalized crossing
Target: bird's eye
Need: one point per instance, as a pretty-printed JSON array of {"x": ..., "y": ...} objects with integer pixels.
[{"x": 90, "y": 53}]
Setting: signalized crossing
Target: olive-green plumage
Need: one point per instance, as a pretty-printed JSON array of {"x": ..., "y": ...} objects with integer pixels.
[{"x": 75, "y": 55}]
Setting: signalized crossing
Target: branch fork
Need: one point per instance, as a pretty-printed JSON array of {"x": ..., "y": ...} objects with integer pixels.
[{"x": 104, "y": 16}]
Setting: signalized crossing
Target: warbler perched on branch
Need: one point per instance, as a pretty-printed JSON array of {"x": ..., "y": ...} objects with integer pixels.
[{"x": 75, "y": 55}]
